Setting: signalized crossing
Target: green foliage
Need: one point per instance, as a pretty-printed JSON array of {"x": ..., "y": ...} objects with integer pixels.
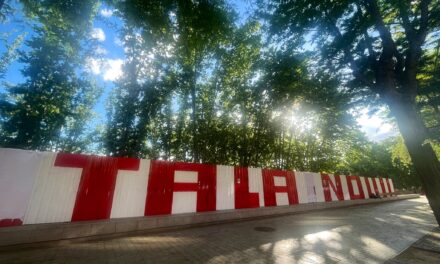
[
  {"x": 5, "y": 10},
  {"x": 382, "y": 53},
  {"x": 428, "y": 101},
  {"x": 187, "y": 33},
  {"x": 388, "y": 158},
  {"x": 242, "y": 96},
  {"x": 199, "y": 86},
  {"x": 49, "y": 110},
  {"x": 36, "y": 112},
  {"x": 140, "y": 92},
  {"x": 10, "y": 54}
]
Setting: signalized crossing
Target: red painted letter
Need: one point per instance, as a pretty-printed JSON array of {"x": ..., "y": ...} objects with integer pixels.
[
  {"x": 97, "y": 184},
  {"x": 382, "y": 185},
  {"x": 351, "y": 188},
  {"x": 161, "y": 186},
  {"x": 336, "y": 187},
  {"x": 271, "y": 187},
  {"x": 243, "y": 198}
]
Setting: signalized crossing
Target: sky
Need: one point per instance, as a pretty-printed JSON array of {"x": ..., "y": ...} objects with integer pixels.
[
  {"x": 374, "y": 126},
  {"x": 107, "y": 67}
]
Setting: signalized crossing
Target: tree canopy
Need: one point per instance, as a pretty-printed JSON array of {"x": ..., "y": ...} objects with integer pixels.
[
  {"x": 281, "y": 87},
  {"x": 383, "y": 49}
]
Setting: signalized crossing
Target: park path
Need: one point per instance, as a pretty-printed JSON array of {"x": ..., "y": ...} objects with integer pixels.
[{"x": 361, "y": 234}]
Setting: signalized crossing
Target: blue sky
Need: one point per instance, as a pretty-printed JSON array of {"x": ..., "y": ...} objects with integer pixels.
[{"x": 107, "y": 66}]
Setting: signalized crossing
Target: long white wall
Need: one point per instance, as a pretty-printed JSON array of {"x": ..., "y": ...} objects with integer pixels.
[{"x": 43, "y": 187}]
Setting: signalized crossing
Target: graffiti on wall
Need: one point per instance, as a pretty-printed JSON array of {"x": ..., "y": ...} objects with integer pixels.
[{"x": 45, "y": 187}]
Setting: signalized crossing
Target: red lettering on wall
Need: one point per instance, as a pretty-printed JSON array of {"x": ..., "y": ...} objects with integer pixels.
[
  {"x": 270, "y": 189},
  {"x": 383, "y": 186},
  {"x": 350, "y": 180},
  {"x": 98, "y": 178},
  {"x": 336, "y": 186},
  {"x": 389, "y": 185},
  {"x": 243, "y": 198},
  {"x": 376, "y": 190},
  {"x": 161, "y": 186},
  {"x": 367, "y": 182},
  {"x": 10, "y": 222}
]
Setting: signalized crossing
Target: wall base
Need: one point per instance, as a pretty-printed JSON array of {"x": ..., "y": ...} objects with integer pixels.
[{"x": 61, "y": 231}]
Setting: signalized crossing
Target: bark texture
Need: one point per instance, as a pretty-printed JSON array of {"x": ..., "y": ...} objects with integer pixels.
[{"x": 415, "y": 135}]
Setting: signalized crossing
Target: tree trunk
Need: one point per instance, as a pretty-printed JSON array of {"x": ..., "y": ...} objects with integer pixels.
[
  {"x": 423, "y": 157},
  {"x": 194, "y": 119}
]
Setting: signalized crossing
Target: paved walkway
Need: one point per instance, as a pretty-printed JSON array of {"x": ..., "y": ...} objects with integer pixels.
[
  {"x": 425, "y": 250},
  {"x": 363, "y": 234}
]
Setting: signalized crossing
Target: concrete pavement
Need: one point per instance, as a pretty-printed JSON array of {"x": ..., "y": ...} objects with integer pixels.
[
  {"x": 361, "y": 234},
  {"x": 425, "y": 250}
]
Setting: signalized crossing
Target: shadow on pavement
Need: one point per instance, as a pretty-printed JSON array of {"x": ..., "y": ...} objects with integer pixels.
[{"x": 362, "y": 234}]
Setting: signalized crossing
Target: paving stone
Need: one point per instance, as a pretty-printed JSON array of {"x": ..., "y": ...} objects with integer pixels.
[
  {"x": 425, "y": 250},
  {"x": 367, "y": 234},
  {"x": 431, "y": 242}
]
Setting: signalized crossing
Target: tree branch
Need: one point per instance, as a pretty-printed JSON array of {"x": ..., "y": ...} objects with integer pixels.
[
  {"x": 347, "y": 53},
  {"x": 369, "y": 46},
  {"x": 415, "y": 39},
  {"x": 424, "y": 19},
  {"x": 389, "y": 47},
  {"x": 403, "y": 10}
]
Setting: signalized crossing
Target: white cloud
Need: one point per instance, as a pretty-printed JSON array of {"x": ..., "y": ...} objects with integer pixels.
[
  {"x": 108, "y": 69},
  {"x": 106, "y": 12},
  {"x": 118, "y": 42},
  {"x": 375, "y": 127},
  {"x": 113, "y": 69},
  {"x": 98, "y": 33},
  {"x": 93, "y": 65},
  {"x": 101, "y": 51}
]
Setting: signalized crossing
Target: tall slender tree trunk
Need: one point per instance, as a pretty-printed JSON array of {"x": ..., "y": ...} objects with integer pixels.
[
  {"x": 415, "y": 135},
  {"x": 194, "y": 116}
]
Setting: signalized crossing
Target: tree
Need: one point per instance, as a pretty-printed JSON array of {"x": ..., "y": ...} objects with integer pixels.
[
  {"x": 388, "y": 158},
  {"x": 428, "y": 101},
  {"x": 10, "y": 53},
  {"x": 194, "y": 29},
  {"x": 5, "y": 9},
  {"x": 405, "y": 176},
  {"x": 243, "y": 93},
  {"x": 48, "y": 111},
  {"x": 200, "y": 85},
  {"x": 381, "y": 43},
  {"x": 144, "y": 87},
  {"x": 35, "y": 114}
]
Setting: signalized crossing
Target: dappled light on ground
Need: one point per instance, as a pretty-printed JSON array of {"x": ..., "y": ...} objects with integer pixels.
[{"x": 362, "y": 234}]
